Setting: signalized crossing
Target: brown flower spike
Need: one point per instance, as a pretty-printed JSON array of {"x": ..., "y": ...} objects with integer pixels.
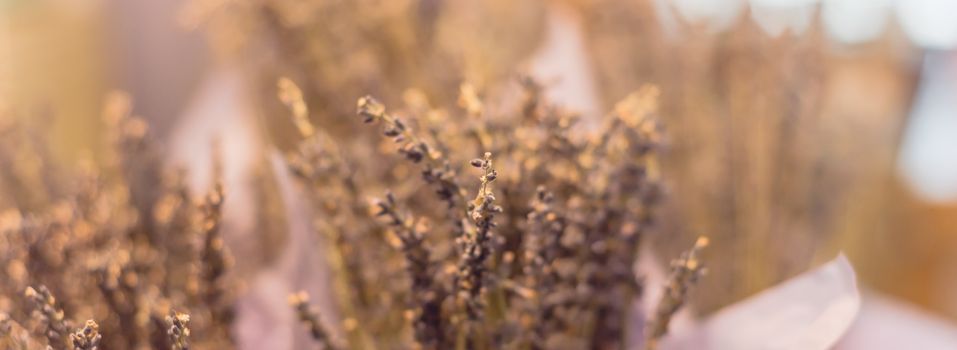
[
  {"x": 310, "y": 318},
  {"x": 685, "y": 271},
  {"x": 178, "y": 331},
  {"x": 476, "y": 244}
]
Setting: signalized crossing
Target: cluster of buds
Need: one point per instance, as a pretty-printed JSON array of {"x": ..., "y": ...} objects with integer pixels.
[
  {"x": 436, "y": 171},
  {"x": 483, "y": 207},
  {"x": 53, "y": 325},
  {"x": 300, "y": 302},
  {"x": 178, "y": 330},
  {"x": 86, "y": 338},
  {"x": 477, "y": 244}
]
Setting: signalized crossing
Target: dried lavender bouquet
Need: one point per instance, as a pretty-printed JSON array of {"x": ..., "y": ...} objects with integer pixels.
[
  {"x": 515, "y": 228},
  {"x": 534, "y": 250}
]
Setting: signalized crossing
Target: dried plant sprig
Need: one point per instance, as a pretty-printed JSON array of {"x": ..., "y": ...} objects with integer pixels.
[
  {"x": 327, "y": 173},
  {"x": 52, "y": 322},
  {"x": 436, "y": 168},
  {"x": 356, "y": 245},
  {"x": 620, "y": 165},
  {"x": 476, "y": 244},
  {"x": 215, "y": 260},
  {"x": 291, "y": 96},
  {"x": 542, "y": 248},
  {"x": 309, "y": 317},
  {"x": 178, "y": 330},
  {"x": 86, "y": 338},
  {"x": 316, "y": 155},
  {"x": 428, "y": 294},
  {"x": 685, "y": 272}
]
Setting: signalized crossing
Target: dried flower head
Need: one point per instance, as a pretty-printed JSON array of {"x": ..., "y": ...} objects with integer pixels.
[
  {"x": 477, "y": 247},
  {"x": 178, "y": 330},
  {"x": 86, "y": 338},
  {"x": 309, "y": 317},
  {"x": 370, "y": 109},
  {"x": 53, "y": 326},
  {"x": 685, "y": 272}
]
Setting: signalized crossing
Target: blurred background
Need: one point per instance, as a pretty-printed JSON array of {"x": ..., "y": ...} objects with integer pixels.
[{"x": 797, "y": 129}]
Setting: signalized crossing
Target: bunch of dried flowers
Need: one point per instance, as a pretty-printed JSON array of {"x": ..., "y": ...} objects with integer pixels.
[
  {"x": 541, "y": 256},
  {"x": 545, "y": 258},
  {"x": 538, "y": 253}
]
